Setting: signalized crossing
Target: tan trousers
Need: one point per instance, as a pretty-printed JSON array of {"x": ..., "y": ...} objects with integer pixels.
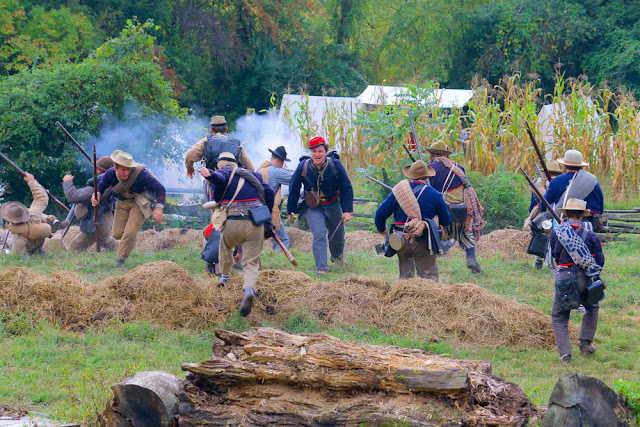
[
  {"x": 252, "y": 238},
  {"x": 126, "y": 224},
  {"x": 415, "y": 256},
  {"x": 22, "y": 244},
  {"x": 84, "y": 240}
]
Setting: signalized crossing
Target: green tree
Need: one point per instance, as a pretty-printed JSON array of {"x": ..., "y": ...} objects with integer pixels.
[{"x": 84, "y": 97}]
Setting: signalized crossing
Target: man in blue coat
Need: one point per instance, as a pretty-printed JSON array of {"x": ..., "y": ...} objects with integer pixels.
[
  {"x": 576, "y": 183},
  {"x": 328, "y": 202},
  {"x": 415, "y": 255}
]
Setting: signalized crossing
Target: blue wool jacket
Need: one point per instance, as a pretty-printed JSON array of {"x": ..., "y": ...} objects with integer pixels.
[
  {"x": 431, "y": 204},
  {"x": 332, "y": 184},
  {"x": 247, "y": 193},
  {"x": 557, "y": 186},
  {"x": 593, "y": 243},
  {"x": 442, "y": 172},
  {"x": 144, "y": 181}
]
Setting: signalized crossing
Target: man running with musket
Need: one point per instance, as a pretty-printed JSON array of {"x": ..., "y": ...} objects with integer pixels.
[
  {"x": 466, "y": 212},
  {"x": 328, "y": 202},
  {"x": 129, "y": 182},
  {"x": 81, "y": 197},
  {"x": 239, "y": 193},
  {"x": 576, "y": 183},
  {"x": 414, "y": 205}
]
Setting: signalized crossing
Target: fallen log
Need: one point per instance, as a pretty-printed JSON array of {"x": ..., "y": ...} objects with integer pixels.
[{"x": 269, "y": 376}]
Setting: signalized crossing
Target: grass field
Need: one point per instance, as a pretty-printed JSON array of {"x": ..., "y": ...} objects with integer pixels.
[{"x": 68, "y": 374}]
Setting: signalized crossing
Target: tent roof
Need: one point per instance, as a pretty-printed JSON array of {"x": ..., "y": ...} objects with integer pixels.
[{"x": 446, "y": 98}]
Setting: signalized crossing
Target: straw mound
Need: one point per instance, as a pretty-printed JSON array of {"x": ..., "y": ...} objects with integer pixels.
[
  {"x": 299, "y": 239},
  {"x": 164, "y": 292},
  {"x": 168, "y": 239},
  {"x": 355, "y": 240},
  {"x": 467, "y": 313},
  {"x": 510, "y": 243}
]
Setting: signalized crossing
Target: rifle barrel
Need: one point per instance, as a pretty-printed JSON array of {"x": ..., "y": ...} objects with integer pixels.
[
  {"x": 379, "y": 182},
  {"x": 415, "y": 137},
  {"x": 21, "y": 172},
  {"x": 413, "y": 159},
  {"x": 538, "y": 153},
  {"x": 82, "y": 150},
  {"x": 542, "y": 199},
  {"x": 96, "y": 211}
]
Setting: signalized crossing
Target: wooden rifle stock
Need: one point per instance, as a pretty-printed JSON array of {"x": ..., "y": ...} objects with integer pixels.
[
  {"x": 96, "y": 211},
  {"x": 21, "y": 172},
  {"x": 538, "y": 153},
  {"x": 290, "y": 257},
  {"x": 542, "y": 199}
]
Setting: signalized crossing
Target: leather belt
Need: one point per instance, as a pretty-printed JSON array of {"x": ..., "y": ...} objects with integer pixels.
[{"x": 239, "y": 217}]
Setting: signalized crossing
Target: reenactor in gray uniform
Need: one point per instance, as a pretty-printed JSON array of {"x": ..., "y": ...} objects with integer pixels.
[{"x": 274, "y": 172}]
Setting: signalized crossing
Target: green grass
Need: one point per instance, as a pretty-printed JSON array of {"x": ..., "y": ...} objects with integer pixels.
[{"x": 68, "y": 375}]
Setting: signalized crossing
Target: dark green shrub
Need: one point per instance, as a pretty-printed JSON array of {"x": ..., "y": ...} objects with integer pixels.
[
  {"x": 505, "y": 197},
  {"x": 630, "y": 394}
]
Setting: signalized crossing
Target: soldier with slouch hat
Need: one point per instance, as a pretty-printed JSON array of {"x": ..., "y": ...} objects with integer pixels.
[
  {"x": 29, "y": 227},
  {"x": 328, "y": 200},
  {"x": 414, "y": 205},
  {"x": 274, "y": 172},
  {"x": 81, "y": 197},
  {"x": 451, "y": 181},
  {"x": 130, "y": 182},
  {"x": 239, "y": 191}
]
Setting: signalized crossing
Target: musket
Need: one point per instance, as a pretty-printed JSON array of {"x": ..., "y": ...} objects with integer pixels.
[
  {"x": 540, "y": 196},
  {"x": 537, "y": 149},
  {"x": 292, "y": 260},
  {"x": 82, "y": 150},
  {"x": 539, "y": 171},
  {"x": 96, "y": 211},
  {"x": 21, "y": 172},
  {"x": 415, "y": 137},
  {"x": 70, "y": 217},
  {"x": 379, "y": 182},
  {"x": 413, "y": 159}
]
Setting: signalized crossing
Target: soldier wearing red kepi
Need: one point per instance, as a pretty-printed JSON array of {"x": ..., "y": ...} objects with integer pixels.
[{"x": 328, "y": 202}]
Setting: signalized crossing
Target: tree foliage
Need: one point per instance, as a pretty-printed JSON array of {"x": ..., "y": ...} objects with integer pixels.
[{"x": 84, "y": 97}]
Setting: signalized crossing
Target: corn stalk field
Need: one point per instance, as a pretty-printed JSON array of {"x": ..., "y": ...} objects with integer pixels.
[{"x": 490, "y": 131}]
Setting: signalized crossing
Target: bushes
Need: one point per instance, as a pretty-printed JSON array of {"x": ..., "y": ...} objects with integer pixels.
[{"x": 505, "y": 197}]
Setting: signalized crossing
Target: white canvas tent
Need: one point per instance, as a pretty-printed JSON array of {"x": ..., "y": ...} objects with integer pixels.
[{"x": 388, "y": 95}]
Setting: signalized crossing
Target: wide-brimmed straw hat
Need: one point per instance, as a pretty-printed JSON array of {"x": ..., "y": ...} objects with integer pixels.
[
  {"x": 575, "y": 205},
  {"x": 15, "y": 212},
  {"x": 439, "y": 147},
  {"x": 555, "y": 167},
  {"x": 104, "y": 163},
  {"x": 572, "y": 158},
  {"x": 218, "y": 121},
  {"x": 418, "y": 170},
  {"x": 123, "y": 159}
]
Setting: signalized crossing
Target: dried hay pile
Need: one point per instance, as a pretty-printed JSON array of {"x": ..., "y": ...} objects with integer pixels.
[
  {"x": 168, "y": 239},
  {"x": 355, "y": 240},
  {"x": 467, "y": 313},
  {"x": 299, "y": 239},
  {"x": 163, "y": 292},
  {"x": 509, "y": 243}
]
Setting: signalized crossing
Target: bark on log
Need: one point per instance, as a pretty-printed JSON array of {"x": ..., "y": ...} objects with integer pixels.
[
  {"x": 269, "y": 376},
  {"x": 144, "y": 399}
]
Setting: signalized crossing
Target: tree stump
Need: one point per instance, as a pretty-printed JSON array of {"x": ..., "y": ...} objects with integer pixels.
[
  {"x": 144, "y": 399},
  {"x": 579, "y": 400}
]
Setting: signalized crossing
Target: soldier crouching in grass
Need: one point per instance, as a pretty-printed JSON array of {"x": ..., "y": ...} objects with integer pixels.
[
  {"x": 29, "y": 227},
  {"x": 129, "y": 182},
  {"x": 414, "y": 205},
  {"x": 579, "y": 257},
  {"x": 238, "y": 193},
  {"x": 81, "y": 197}
]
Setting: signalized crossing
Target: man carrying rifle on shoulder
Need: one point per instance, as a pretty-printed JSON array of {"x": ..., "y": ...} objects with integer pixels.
[
  {"x": 81, "y": 197},
  {"x": 466, "y": 212},
  {"x": 29, "y": 227},
  {"x": 576, "y": 183}
]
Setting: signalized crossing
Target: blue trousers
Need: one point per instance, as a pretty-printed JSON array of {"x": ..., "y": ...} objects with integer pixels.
[
  {"x": 323, "y": 221},
  {"x": 282, "y": 234}
]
